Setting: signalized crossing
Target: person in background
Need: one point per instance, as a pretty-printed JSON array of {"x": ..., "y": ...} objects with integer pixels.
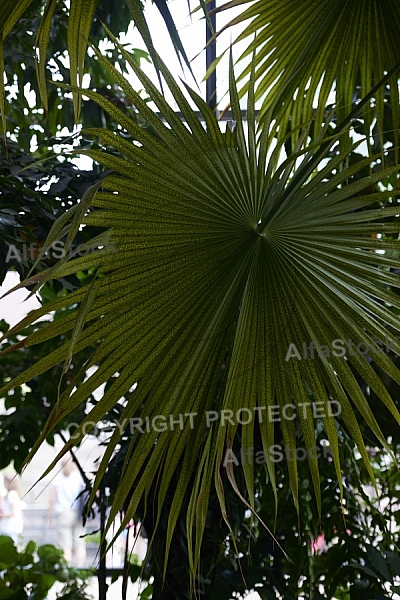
[
  {"x": 63, "y": 503},
  {"x": 11, "y": 506}
]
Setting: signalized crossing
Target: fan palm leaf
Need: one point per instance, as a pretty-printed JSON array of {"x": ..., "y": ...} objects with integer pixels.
[
  {"x": 305, "y": 47},
  {"x": 225, "y": 257}
]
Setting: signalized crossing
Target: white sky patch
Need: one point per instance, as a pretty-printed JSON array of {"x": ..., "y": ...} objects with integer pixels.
[
  {"x": 192, "y": 31},
  {"x": 13, "y": 308}
]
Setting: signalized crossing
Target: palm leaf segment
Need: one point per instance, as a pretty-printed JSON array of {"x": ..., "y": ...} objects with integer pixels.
[
  {"x": 224, "y": 258},
  {"x": 304, "y": 46}
]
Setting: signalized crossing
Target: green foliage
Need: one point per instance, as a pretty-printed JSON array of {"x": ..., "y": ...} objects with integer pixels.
[
  {"x": 228, "y": 252},
  {"x": 28, "y": 407},
  {"x": 37, "y": 187},
  {"x": 306, "y": 46},
  {"x": 27, "y": 213},
  {"x": 32, "y": 572},
  {"x": 227, "y": 229},
  {"x": 366, "y": 536},
  {"x": 20, "y": 68},
  {"x": 80, "y": 19}
]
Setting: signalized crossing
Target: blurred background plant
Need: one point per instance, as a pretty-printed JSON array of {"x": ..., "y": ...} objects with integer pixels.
[{"x": 31, "y": 572}]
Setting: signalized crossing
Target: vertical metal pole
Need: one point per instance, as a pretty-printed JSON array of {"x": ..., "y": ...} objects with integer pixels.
[
  {"x": 211, "y": 55},
  {"x": 102, "y": 570}
]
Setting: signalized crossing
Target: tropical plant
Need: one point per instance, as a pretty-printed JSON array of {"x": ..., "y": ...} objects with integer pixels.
[
  {"x": 84, "y": 18},
  {"x": 304, "y": 47},
  {"x": 38, "y": 179},
  {"x": 229, "y": 253},
  {"x": 359, "y": 555},
  {"x": 226, "y": 255},
  {"x": 32, "y": 572}
]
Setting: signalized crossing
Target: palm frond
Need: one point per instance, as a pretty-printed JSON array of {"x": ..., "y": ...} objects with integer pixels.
[
  {"x": 305, "y": 46},
  {"x": 225, "y": 258}
]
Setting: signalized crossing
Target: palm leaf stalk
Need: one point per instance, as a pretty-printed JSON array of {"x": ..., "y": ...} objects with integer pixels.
[
  {"x": 225, "y": 257},
  {"x": 304, "y": 47}
]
